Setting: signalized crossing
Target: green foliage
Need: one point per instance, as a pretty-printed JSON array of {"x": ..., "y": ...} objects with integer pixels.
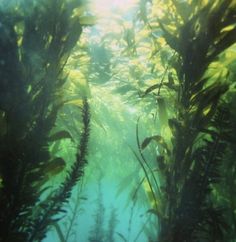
[
  {"x": 190, "y": 160},
  {"x": 52, "y": 205},
  {"x": 35, "y": 43},
  {"x": 176, "y": 61}
]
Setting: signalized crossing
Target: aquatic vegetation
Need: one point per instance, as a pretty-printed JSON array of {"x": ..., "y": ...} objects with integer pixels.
[
  {"x": 152, "y": 84},
  {"x": 52, "y": 205},
  {"x": 112, "y": 225},
  {"x": 189, "y": 160},
  {"x": 98, "y": 232},
  {"x": 35, "y": 44},
  {"x": 182, "y": 87},
  {"x": 66, "y": 228}
]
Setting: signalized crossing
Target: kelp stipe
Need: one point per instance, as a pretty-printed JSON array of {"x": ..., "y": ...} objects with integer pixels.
[
  {"x": 97, "y": 233},
  {"x": 54, "y": 203},
  {"x": 197, "y": 153},
  {"x": 102, "y": 230},
  {"x": 224, "y": 191},
  {"x": 76, "y": 210},
  {"x": 110, "y": 233},
  {"x": 189, "y": 162},
  {"x": 35, "y": 44}
]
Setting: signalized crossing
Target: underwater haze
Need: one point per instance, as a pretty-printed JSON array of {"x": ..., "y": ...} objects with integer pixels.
[{"x": 117, "y": 121}]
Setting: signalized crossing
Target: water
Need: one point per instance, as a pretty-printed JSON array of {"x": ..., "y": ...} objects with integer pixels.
[
  {"x": 117, "y": 121},
  {"x": 111, "y": 176}
]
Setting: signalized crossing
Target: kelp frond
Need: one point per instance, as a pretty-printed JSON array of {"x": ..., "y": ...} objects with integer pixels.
[
  {"x": 189, "y": 162},
  {"x": 53, "y": 205},
  {"x": 35, "y": 42}
]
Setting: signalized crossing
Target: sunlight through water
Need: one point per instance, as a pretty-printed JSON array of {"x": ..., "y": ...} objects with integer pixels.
[{"x": 105, "y": 8}]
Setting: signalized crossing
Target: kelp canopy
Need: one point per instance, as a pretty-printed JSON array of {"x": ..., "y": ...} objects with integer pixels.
[{"x": 157, "y": 80}]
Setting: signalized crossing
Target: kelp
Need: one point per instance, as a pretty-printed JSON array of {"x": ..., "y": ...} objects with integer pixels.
[
  {"x": 52, "y": 205},
  {"x": 189, "y": 161},
  {"x": 102, "y": 230},
  {"x": 35, "y": 43},
  {"x": 98, "y": 232}
]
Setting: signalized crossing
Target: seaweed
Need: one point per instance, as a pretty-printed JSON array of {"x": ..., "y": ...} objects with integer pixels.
[
  {"x": 35, "y": 45},
  {"x": 110, "y": 233},
  {"x": 190, "y": 161},
  {"x": 52, "y": 205},
  {"x": 97, "y": 233}
]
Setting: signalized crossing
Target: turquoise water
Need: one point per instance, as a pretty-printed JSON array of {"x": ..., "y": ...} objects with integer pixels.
[
  {"x": 117, "y": 121},
  {"x": 111, "y": 177}
]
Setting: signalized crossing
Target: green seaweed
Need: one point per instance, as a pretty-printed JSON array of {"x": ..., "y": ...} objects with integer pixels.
[
  {"x": 191, "y": 160},
  {"x": 35, "y": 44},
  {"x": 172, "y": 65}
]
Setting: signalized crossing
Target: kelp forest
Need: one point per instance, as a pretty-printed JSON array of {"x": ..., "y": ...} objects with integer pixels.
[{"x": 118, "y": 121}]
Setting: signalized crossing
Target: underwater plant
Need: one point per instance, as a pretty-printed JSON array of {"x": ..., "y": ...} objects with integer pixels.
[
  {"x": 192, "y": 143},
  {"x": 75, "y": 213},
  {"x": 97, "y": 233},
  {"x": 110, "y": 233},
  {"x": 36, "y": 40},
  {"x": 175, "y": 62},
  {"x": 178, "y": 63}
]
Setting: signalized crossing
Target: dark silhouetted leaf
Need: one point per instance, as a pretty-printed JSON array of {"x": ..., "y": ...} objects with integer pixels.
[
  {"x": 55, "y": 166},
  {"x": 158, "y": 139},
  {"x": 152, "y": 88}
]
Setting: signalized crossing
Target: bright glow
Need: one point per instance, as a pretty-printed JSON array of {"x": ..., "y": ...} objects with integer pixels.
[
  {"x": 112, "y": 17},
  {"x": 104, "y": 8}
]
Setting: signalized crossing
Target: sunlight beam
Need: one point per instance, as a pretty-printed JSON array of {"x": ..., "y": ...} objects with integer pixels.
[{"x": 107, "y": 7}]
